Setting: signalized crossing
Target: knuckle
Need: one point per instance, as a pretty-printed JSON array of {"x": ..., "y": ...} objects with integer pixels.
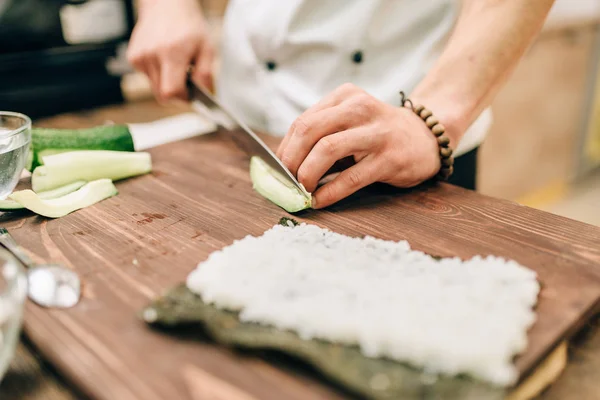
[
  {"x": 327, "y": 145},
  {"x": 362, "y": 107},
  {"x": 189, "y": 39},
  {"x": 171, "y": 91},
  {"x": 132, "y": 53},
  {"x": 303, "y": 175},
  {"x": 175, "y": 45},
  {"x": 168, "y": 93},
  {"x": 300, "y": 127},
  {"x": 135, "y": 57},
  {"x": 287, "y": 159},
  {"x": 354, "y": 177},
  {"x": 164, "y": 50},
  {"x": 327, "y": 195},
  {"x": 364, "y": 100},
  {"x": 348, "y": 87}
]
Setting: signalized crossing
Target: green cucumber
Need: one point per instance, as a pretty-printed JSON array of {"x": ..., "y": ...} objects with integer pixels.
[
  {"x": 90, "y": 193},
  {"x": 47, "y": 141},
  {"x": 9, "y": 205},
  {"x": 274, "y": 187},
  {"x": 88, "y": 165}
]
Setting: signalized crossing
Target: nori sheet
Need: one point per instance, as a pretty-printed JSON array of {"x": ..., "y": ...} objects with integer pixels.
[{"x": 345, "y": 366}]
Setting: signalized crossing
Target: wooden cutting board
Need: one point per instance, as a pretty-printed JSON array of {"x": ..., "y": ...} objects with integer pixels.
[{"x": 198, "y": 199}]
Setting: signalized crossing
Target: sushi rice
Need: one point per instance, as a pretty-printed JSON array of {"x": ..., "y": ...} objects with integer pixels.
[{"x": 445, "y": 316}]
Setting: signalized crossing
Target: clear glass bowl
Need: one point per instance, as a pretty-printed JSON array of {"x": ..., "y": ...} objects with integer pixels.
[
  {"x": 15, "y": 138},
  {"x": 13, "y": 292}
]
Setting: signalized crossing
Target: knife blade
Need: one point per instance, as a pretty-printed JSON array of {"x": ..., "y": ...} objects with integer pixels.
[{"x": 205, "y": 103}]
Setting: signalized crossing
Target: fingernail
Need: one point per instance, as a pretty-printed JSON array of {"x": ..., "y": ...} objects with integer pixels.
[{"x": 313, "y": 202}]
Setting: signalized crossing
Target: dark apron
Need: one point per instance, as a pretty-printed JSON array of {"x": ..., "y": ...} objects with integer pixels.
[{"x": 465, "y": 170}]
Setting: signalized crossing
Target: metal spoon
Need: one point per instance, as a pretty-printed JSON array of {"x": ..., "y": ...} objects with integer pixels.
[{"x": 49, "y": 285}]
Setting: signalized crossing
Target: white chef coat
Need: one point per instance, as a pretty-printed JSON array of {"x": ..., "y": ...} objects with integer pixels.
[{"x": 279, "y": 57}]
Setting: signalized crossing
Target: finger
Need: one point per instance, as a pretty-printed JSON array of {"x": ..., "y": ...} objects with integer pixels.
[
  {"x": 154, "y": 76},
  {"x": 340, "y": 165},
  {"x": 136, "y": 58},
  {"x": 284, "y": 143},
  {"x": 309, "y": 129},
  {"x": 206, "y": 67},
  {"x": 346, "y": 183},
  {"x": 173, "y": 79},
  {"x": 141, "y": 65},
  {"x": 203, "y": 67},
  {"x": 330, "y": 150},
  {"x": 323, "y": 104},
  {"x": 332, "y": 99}
]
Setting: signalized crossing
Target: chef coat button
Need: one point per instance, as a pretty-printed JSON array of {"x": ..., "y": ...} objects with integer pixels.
[
  {"x": 357, "y": 57},
  {"x": 271, "y": 65}
]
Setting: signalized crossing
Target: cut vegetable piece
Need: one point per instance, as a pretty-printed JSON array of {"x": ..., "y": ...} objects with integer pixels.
[
  {"x": 60, "y": 169},
  {"x": 50, "y": 152},
  {"x": 8, "y": 205},
  {"x": 105, "y": 137},
  {"x": 90, "y": 193},
  {"x": 274, "y": 187},
  {"x": 29, "y": 162}
]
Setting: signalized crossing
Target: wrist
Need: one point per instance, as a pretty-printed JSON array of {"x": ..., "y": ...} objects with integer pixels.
[
  {"x": 444, "y": 167},
  {"x": 450, "y": 113}
]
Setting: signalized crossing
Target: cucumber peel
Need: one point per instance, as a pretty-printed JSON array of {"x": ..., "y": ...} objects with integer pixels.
[
  {"x": 91, "y": 193},
  {"x": 46, "y": 141},
  {"x": 275, "y": 188},
  {"x": 9, "y": 205},
  {"x": 88, "y": 165}
]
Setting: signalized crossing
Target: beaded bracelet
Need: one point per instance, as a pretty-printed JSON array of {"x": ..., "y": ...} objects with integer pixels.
[{"x": 438, "y": 130}]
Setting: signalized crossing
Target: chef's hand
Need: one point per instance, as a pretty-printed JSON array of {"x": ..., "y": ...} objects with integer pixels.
[
  {"x": 169, "y": 36},
  {"x": 389, "y": 144}
]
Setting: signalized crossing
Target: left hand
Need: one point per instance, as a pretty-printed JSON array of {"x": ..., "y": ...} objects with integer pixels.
[{"x": 389, "y": 144}]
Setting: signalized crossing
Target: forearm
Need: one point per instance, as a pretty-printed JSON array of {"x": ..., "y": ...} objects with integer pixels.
[
  {"x": 489, "y": 39},
  {"x": 144, "y": 4}
]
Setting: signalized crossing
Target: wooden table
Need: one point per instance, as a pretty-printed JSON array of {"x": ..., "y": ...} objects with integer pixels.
[{"x": 30, "y": 378}]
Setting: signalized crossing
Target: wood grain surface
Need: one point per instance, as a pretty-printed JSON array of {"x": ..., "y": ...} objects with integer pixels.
[
  {"x": 198, "y": 199},
  {"x": 30, "y": 378}
]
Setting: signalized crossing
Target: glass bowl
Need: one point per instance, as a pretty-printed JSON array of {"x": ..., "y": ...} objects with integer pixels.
[
  {"x": 15, "y": 138},
  {"x": 13, "y": 292}
]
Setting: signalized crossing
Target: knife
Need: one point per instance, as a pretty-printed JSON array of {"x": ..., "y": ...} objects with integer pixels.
[{"x": 205, "y": 103}]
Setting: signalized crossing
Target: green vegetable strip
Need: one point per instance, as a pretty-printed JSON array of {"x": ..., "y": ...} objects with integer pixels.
[
  {"x": 52, "y": 141},
  {"x": 9, "y": 205},
  {"x": 88, "y": 165},
  {"x": 91, "y": 193}
]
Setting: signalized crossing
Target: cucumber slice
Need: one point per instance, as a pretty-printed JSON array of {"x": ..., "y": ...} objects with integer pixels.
[
  {"x": 29, "y": 162},
  {"x": 90, "y": 193},
  {"x": 63, "y": 168},
  {"x": 274, "y": 187},
  {"x": 8, "y": 205},
  {"x": 105, "y": 137}
]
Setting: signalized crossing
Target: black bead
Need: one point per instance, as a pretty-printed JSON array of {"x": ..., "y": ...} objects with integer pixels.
[
  {"x": 271, "y": 65},
  {"x": 357, "y": 57}
]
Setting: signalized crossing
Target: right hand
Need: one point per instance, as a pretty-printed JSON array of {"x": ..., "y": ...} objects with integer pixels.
[{"x": 171, "y": 35}]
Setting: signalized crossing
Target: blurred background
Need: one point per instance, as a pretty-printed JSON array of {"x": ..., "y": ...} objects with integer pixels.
[{"x": 59, "y": 56}]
